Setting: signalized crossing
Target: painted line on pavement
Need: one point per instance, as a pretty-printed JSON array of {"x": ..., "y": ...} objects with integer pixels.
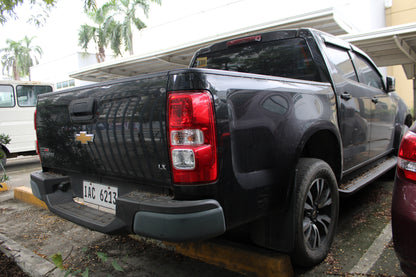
[{"x": 373, "y": 253}]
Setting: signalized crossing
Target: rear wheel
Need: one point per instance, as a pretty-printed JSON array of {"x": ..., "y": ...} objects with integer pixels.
[{"x": 316, "y": 211}]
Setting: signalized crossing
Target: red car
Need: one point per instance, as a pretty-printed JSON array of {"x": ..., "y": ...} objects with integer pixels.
[{"x": 404, "y": 204}]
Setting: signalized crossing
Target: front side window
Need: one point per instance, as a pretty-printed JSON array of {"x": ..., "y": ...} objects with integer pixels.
[
  {"x": 289, "y": 58},
  {"x": 6, "y": 96},
  {"x": 27, "y": 94},
  {"x": 367, "y": 74}
]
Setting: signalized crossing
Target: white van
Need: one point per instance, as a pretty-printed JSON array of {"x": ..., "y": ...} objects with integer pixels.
[{"x": 17, "y": 108}]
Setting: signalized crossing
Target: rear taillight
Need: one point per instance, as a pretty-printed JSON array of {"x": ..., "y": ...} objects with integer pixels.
[
  {"x": 406, "y": 163},
  {"x": 192, "y": 138}
]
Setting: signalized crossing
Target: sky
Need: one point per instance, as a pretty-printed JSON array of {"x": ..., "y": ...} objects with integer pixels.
[{"x": 58, "y": 36}]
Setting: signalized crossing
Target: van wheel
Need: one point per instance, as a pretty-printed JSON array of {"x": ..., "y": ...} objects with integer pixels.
[
  {"x": 3, "y": 157},
  {"x": 316, "y": 211}
]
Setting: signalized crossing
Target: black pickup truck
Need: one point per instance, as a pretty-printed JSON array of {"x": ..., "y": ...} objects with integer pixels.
[{"x": 263, "y": 132}]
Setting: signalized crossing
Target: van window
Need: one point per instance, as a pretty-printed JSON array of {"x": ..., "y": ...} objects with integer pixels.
[
  {"x": 6, "y": 96},
  {"x": 27, "y": 95}
]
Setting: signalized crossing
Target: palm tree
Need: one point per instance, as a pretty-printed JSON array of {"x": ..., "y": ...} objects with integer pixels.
[
  {"x": 98, "y": 33},
  {"x": 19, "y": 56},
  {"x": 29, "y": 56},
  {"x": 127, "y": 9},
  {"x": 9, "y": 59},
  {"x": 115, "y": 20}
]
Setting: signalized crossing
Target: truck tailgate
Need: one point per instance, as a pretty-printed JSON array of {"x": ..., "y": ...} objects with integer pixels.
[{"x": 111, "y": 129}]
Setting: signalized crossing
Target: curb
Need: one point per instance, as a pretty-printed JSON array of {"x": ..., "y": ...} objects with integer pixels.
[
  {"x": 3, "y": 187},
  {"x": 29, "y": 262},
  {"x": 232, "y": 256},
  {"x": 237, "y": 257},
  {"x": 25, "y": 194}
]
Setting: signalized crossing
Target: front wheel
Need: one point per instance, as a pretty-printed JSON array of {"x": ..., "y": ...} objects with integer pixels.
[{"x": 316, "y": 211}]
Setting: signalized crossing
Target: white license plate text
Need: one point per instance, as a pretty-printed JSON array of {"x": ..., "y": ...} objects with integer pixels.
[{"x": 100, "y": 195}]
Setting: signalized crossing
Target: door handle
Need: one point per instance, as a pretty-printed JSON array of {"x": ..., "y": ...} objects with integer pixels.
[
  {"x": 374, "y": 100},
  {"x": 346, "y": 96},
  {"x": 83, "y": 109}
]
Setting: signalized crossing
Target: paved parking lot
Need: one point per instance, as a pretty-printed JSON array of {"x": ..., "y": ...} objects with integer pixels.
[{"x": 362, "y": 246}]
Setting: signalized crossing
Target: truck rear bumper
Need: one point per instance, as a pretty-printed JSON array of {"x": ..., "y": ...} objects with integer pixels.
[
  {"x": 150, "y": 215},
  {"x": 180, "y": 227}
]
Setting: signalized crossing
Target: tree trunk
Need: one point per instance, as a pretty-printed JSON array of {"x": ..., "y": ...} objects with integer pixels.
[
  {"x": 16, "y": 75},
  {"x": 131, "y": 45},
  {"x": 100, "y": 55}
]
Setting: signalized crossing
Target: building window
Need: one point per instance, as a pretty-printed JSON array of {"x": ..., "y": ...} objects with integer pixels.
[{"x": 65, "y": 84}]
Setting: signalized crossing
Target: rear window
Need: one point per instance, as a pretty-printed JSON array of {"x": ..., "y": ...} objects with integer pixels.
[
  {"x": 27, "y": 95},
  {"x": 285, "y": 58}
]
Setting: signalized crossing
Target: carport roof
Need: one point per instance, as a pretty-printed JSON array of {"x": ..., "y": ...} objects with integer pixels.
[{"x": 388, "y": 46}]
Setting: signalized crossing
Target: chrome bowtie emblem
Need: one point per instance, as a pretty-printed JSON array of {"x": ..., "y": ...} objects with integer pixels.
[{"x": 84, "y": 138}]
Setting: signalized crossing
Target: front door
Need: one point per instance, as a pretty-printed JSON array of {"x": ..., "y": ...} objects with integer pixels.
[
  {"x": 382, "y": 107},
  {"x": 354, "y": 107}
]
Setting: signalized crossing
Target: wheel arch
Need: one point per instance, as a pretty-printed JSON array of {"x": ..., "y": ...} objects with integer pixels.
[
  {"x": 408, "y": 121},
  {"x": 5, "y": 149},
  {"x": 400, "y": 129},
  {"x": 323, "y": 143}
]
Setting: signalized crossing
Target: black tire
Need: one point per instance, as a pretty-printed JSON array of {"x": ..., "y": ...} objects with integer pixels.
[
  {"x": 3, "y": 157},
  {"x": 316, "y": 211}
]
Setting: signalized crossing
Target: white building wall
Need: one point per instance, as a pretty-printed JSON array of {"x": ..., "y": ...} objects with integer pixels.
[
  {"x": 58, "y": 71},
  {"x": 363, "y": 15},
  {"x": 182, "y": 22}
]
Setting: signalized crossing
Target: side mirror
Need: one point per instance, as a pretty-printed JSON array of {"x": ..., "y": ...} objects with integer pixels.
[{"x": 391, "y": 83}]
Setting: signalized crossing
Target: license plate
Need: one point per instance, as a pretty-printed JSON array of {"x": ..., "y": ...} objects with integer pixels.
[{"x": 101, "y": 195}]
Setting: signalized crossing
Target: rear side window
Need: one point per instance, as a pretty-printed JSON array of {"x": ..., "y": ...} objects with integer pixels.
[
  {"x": 285, "y": 58},
  {"x": 27, "y": 95},
  {"x": 6, "y": 96},
  {"x": 341, "y": 62}
]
